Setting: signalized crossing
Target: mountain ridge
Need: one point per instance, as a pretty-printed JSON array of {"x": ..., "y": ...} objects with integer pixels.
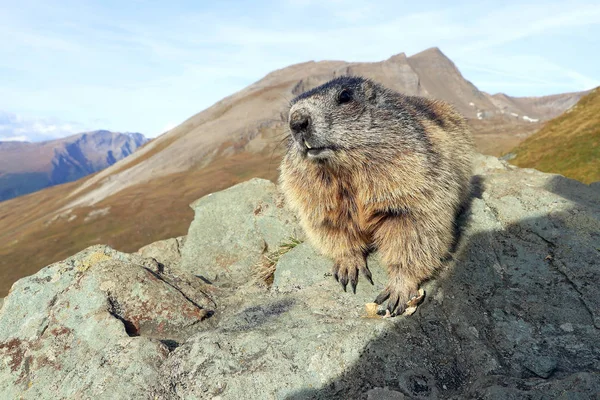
[
  {"x": 26, "y": 167},
  {"x": 399, "y": 75}
]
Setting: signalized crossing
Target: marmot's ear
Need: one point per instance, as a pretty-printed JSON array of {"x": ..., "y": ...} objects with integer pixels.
[{"x": 370, "y": 92}]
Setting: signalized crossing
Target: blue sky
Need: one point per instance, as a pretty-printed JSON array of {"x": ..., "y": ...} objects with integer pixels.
[{"x": 69, "y": 66}]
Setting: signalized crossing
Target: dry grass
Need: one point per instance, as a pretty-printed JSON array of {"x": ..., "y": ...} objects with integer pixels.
[
  {"x": 264, "y": 270},
  {"x": 568, "y": 145}
]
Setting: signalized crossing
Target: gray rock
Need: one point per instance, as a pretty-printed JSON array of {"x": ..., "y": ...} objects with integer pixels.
[
  {"x": 302, "y": 268},
  {"x": 97, "y": 325},
  {"x": 515, "y": 315},
  {"x": 233, "y": 229},
  {"x": 542, "y": 366},
  {"x": 577, "y": 386},
  {"x": 508, "y": 156},
  {"x": 384, "y": 394},
  {"x": 490, "y": 324},
  {"x": 166, "y": 252}
]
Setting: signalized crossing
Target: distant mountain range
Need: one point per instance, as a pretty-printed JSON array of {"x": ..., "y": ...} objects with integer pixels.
[
  {"x": 27, "y": 167},
  {"x": 144, "y": 197}
]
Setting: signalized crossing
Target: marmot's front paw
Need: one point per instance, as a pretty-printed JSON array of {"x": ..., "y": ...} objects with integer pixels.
[
  {"x": 398, "y": 294},
  {"x": 346, "y": 270}
]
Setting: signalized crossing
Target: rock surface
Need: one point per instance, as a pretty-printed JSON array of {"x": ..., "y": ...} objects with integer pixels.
[
  {"x": 97, "y": 325},
  {"x": 233, "y": 229},
  {"x": 515, "y": 315},
  {"x": 166, "y": 252}
]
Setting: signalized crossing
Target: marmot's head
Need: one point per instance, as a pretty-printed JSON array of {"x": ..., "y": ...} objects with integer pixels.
[{"x": 335, "y": 118}]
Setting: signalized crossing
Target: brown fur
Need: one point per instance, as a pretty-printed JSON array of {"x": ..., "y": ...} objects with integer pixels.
[{"x": 396, "y": 177}]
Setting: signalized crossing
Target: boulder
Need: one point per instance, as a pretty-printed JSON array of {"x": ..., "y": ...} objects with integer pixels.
[
  {"x": 515, "y": 314},
  {"x": 167, "y": 252},
  {"x": 302, "y": 268},
  {"x": 233, "y": 229},
  {"x": 99, "y": 323}
]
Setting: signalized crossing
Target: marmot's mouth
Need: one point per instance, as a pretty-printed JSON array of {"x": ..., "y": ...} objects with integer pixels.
[{"x": 316, "y": 152}]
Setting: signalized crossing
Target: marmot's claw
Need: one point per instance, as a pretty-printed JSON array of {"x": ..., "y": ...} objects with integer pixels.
[
  {"x": 383, "y": 296},
  {"x": 344, "y": 281},
  {"x": 394, "y": 306},
  {"x": 365, "y": 271},
  {"x": 399, "y": 299},
  {"x": 347, "y": 271},
  {"x": 353, "y": 275}
]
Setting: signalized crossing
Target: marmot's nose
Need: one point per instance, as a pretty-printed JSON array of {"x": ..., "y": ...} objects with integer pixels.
[{"x": 300, "y": 122}]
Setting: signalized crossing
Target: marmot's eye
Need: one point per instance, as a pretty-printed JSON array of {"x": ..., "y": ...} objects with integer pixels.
[{"x": 344, "y": 96}]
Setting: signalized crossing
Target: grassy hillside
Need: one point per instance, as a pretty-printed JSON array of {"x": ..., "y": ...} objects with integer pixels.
[{"x": 568, "y": 145}]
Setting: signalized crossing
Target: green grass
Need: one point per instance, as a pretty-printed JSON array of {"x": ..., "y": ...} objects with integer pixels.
[{"x": 568, "y": 145}]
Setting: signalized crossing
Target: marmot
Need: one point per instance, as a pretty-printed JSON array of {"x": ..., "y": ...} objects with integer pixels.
[{"x": 368, "y": 168}]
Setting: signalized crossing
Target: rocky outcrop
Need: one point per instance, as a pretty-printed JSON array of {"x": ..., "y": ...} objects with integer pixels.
[
  {"x": 97, "y": 325},
  {"x": 233, "y": 229},
  {"x": 515, "y": 315},
  {"x": 166, "y": 252}
]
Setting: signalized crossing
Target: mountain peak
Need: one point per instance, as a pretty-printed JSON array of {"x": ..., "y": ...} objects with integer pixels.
[
  {"x": 430, "y": 52},
  {"x": 400, "y": 57}
]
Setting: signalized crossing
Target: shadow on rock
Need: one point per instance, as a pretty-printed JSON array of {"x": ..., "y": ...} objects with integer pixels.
[
  {"x": 517, "y": 316},
  {"x": 255, "y": 316}
]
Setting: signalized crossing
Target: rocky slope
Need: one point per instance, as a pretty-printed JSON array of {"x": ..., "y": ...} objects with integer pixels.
[
  {"x": 568, "y": 145},
  {"x": 238, "y": 138},
  {"x": 27, "y": 167},
  {"x": 514, "y": 315}
]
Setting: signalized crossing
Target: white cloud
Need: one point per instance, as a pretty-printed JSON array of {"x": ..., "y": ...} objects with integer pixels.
[
  {"x": 511, "y": 24},
  {"x": 18, "y": 127},
  {"x": 14, "y": 139},
  {"x": 119, "y": 70},
  {"x": 524, "y": 71}
]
